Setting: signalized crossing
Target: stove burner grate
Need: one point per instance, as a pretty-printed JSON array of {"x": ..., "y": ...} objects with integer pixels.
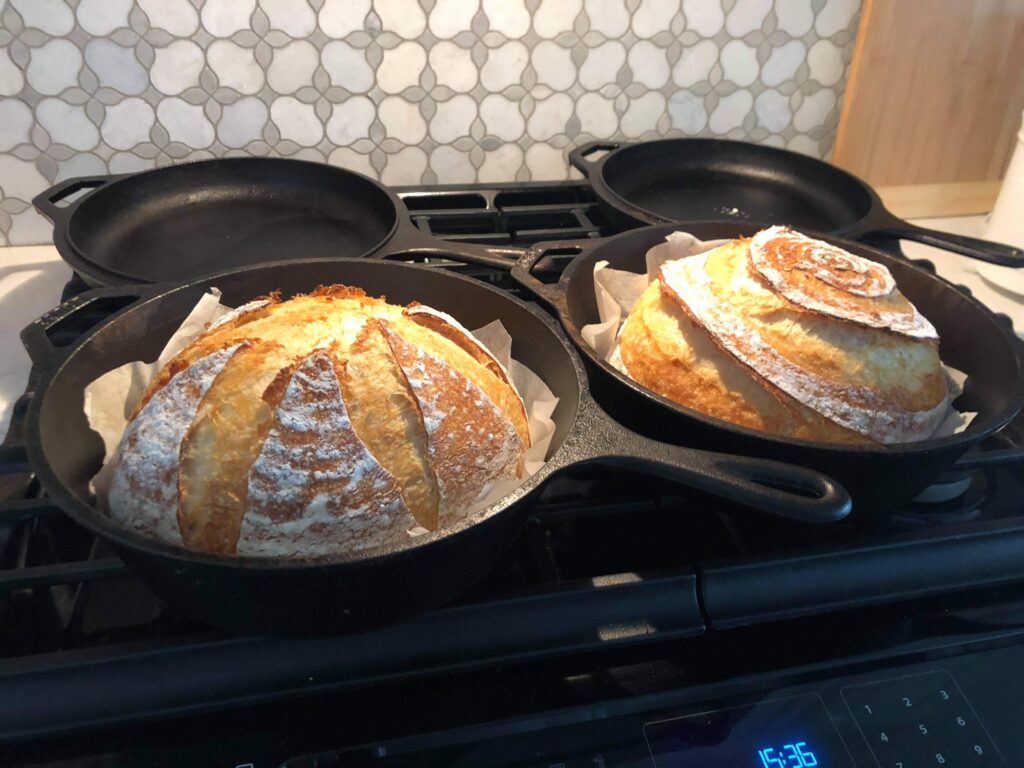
[{"x": 604, "y": 564}]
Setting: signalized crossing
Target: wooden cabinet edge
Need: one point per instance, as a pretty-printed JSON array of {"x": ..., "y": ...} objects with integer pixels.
[
  {"x": 852, "y": 82},
  {"x": 961, "y": 198}
]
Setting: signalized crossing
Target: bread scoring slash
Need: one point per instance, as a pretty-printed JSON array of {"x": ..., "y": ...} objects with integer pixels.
[{"x": 329, "y": 423}]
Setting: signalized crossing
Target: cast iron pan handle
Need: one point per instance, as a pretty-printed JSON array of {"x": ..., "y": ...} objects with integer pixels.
[
  {"x": 37, "y": 337},
  {"x": 46, "y": 202},
  {"x": 783, "y": 490},
  {"x": 411, "y": 241},
  {"x": 979, "y": 459},
  {"x": 498, "y": 256},
  {"x": 520, "y": 262},
  {"x": 578, "y": 156},
  {"x": 522, "y": 271},
  {"x": 973, "y": 247}
]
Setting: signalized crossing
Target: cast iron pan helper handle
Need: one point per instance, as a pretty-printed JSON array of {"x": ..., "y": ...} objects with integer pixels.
[
  {"x": 973, "y": 247},
  {"x": 46, "y": 202},
  {"x": 783, "y": 490},
  {"x": 522, "y": 271},
  {"x": 37, "y": 337},
  {"x": 578, "y": 156}
]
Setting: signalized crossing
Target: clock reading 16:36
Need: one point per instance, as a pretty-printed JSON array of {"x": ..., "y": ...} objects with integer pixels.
[{"x": 787, "y": 756}]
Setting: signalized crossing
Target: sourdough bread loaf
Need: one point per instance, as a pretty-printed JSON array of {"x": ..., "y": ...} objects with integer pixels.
[
  {"x": 328, "y": 423},
  {"x": 791, "y": 336}
]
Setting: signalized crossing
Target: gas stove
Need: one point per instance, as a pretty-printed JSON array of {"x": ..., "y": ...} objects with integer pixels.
[{"x": 633, "y": 622}]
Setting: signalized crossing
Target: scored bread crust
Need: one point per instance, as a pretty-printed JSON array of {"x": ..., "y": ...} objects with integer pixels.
[
  {"x": 826, "y": 279},
  {"x": 220, "y": 334},
  {"x": 470, "y": 442},
  {"x": 497, "y": 386},
  {"x": 391, "y": 427},
  {"x": 143, "y": 485},
  {"x": 665, "y": 351},
  {"x": 222, "y": 444},
  {"x": 451, "y": 329},
  {"x": 314, "y": 482},
  {"x": 247, "y": 468},
  {"x": 754, "y": 357}
]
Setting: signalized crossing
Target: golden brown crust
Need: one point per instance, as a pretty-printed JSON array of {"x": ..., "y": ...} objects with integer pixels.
[
  {"x": 273, "y": 382},
  {"x": 221, "y": 445},
  {"x": 222, "y": 336},
  {"x": 314, "y": 482},
  {"x": 470, "y": 442},
  {"x": 448, "y": 327},
  {"x": 500, "y": 392},
  {"x": 713, "y": 334},
  {"x": 438, "y": 325},
  {"x": 666, "y": 352},
  {"x": 145, "y": 468},
  {"x": 824, "y": 279},
  {"x": 338, "y": 291},
  {"x": 391, "y": 427},
  {"x": 275, "y": 389}
]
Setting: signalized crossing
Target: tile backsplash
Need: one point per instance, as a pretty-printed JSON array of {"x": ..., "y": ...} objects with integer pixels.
[{"x": 407, "y": 91}]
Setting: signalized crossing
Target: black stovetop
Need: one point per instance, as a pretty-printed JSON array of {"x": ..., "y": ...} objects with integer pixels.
[{"x": 584, "y": 607}]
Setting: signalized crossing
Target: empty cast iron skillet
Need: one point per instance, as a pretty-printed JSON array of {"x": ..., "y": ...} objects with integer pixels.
[
  {"x": 879, "y": 478},
  {"x": 176, "y": 223},
  {"x": 359, "y": 590},
  {"x": 681, "y": 180}
]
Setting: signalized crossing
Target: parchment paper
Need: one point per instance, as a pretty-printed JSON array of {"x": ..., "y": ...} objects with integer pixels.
[
  {"x": 617, "y": 291},
  {"x": 110, "y": 399}
]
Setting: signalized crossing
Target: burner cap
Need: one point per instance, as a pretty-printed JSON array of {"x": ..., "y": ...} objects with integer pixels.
[
  {"x": 955, "y": 498},
  {"x": 944, "y": 490}
]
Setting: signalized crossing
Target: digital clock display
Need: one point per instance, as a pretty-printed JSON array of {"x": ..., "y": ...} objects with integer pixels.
[
  {"x": 794, "y": 732},
  {"x": 797, "y": 755}
]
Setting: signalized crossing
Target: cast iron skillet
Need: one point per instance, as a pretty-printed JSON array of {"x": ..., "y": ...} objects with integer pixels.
[
  {"x": 178, "y": 222},
  {"x": 350, "y": 592},
  {"x": 680, "y": 180},
  {"x": 879, "y": 479}
]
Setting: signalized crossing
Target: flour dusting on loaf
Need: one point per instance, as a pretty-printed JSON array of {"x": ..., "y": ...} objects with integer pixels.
[
  {"x": 460, "y": 421},
  {"x": 315, "y": 483},
  {"x": 806, "y": 340},
  {"x": 144, "y": 484},
  {"x": 824, "y": 278},
  {"x": 233, "y": 315},
  {"x": 859, "y": 408},
  {"x": 350, "y": 438}
]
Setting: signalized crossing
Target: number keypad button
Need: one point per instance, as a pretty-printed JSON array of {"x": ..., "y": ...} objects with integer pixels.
[{"x": 922, "y": 720}]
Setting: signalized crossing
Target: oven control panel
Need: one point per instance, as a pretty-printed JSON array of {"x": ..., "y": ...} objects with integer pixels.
[
  {"x": 931, "y": 715},
  {"x": 922, "y": 719}
]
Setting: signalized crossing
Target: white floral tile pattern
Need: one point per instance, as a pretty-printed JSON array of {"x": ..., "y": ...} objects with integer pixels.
[{"x": 407, "y": 91}]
